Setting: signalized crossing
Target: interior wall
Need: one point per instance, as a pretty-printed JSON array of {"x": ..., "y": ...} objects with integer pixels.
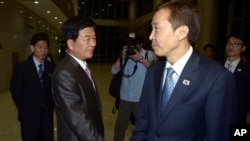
[{"x": 15, "y": 32}]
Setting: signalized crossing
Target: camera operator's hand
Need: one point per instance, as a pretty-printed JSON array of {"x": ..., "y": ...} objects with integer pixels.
[
  {"x": 124, "y": 50},
  {"x": 136, "y": 57}
]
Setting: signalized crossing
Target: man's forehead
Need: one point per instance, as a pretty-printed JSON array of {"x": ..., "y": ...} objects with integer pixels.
[{"x": 160, "y": 15}]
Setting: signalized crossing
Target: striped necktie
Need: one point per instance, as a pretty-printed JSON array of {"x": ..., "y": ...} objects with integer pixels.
[
  {"x": 230, "y": 67},
  {"x": 167, "y": 88}
]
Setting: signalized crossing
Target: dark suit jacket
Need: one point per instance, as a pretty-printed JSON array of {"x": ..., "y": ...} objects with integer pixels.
[
  {"x": 78, "y": 106},
  {"x": 201, "y": 107},
  {"x": 242, "y": 77},
  {"x": 27, "y": 92}
]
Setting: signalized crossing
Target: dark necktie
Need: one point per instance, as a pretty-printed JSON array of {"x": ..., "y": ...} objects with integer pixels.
[
  {"x": 40, "y": 71},
  {"x": 167, "y": 88}
]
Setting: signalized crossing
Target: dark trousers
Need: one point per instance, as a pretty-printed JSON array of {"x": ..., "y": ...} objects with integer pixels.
[
  {"x": 124, "y": 113},
  {"x": 39, "y": 126}
]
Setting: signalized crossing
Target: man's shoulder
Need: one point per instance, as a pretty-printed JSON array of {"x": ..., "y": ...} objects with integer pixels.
[
  {"x": 24, "y": 63},
  {"x": 157, "y": 65}
]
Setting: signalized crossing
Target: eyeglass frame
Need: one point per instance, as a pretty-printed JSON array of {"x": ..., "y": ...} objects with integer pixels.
[{"x": 234, "y": 44}]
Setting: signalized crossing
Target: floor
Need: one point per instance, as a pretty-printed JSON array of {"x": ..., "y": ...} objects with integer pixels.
[{"x": 9, "y": 126}]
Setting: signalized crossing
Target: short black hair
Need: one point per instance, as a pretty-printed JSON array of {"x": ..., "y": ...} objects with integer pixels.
[
  {"x": 183, "y": 13},
  {"x": 237, "y": 36},
  {"x": 72, "y": 26},
  {"x": 38, "y": 37},
  {"x": 209, "y": 46}
]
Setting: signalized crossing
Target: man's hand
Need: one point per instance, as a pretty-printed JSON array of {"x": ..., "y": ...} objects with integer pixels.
[{"x": 136, "y": 57}]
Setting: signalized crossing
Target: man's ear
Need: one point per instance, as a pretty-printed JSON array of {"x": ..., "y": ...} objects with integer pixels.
[
  {"x": 70, "y": 44},
  {"x": 243, "y": 48},
  {"x": 182, "y": 32},
  {"x": 32, "y": 48}
]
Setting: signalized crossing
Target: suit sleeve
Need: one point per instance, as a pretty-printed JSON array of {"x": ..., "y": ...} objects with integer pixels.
[
  {"x": 222, "y": 98},
  {"x": 142, "y": 117},
  {"x": 16, "y": 85},
  {"x": 66, "y": 92}
]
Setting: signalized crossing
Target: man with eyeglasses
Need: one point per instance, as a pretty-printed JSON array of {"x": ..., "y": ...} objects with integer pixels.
[{"x": 235, "y": 47}]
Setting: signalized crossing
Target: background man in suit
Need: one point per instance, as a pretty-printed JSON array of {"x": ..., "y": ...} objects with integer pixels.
[
  {"x": 31, "y": 92},
  {"x": 209, "y": 51},
  {"x": 235, "y": 46},
  {"x": 201, "y": 106},
  {"x": 77, "y": 102}
]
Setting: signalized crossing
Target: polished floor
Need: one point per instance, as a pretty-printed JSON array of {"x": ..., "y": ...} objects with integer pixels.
[{"x": 9, "y": 126}]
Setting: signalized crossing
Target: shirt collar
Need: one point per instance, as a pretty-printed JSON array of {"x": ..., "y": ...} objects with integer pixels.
[
  {"x": 179, "y": 65},
  {"x": 82, "y": 63},
  {"x": 234, "y": 63},
  {"x": 37, "y": 63}
]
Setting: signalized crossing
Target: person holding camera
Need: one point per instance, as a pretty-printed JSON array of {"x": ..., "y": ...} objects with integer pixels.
[{"x": 134, "y": 72}]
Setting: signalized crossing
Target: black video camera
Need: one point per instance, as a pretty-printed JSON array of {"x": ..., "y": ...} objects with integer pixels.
[{"x": 131, "y": 45}]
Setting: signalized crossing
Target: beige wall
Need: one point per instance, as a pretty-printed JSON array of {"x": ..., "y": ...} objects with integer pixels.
[{"x": 15, "y": 31}]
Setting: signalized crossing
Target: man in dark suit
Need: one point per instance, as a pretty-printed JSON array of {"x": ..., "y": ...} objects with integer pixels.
[
  {"x": 31, "y": 92},
  {"x": 201, "y": 105},
  {"x": 77, "y": 102},
  {"x": 235, "y": 46}
]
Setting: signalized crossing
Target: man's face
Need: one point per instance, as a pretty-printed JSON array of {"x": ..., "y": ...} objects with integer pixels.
[
  {"x": 164, "y": 39},
  {"x": 234, "y": 47},
  {"x": 208, "y": 52},
  {"x": 40, "y": 50},
  {"x": 83, "y": 47}
]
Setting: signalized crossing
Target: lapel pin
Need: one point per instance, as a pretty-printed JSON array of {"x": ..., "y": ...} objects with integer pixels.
[
  {"x": 186, "y": 82},
  {"x": 238, "y": 69}
]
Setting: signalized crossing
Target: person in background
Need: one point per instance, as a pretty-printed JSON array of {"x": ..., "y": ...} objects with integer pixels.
[
  {"x": 209, "y": 51},
  {"x": 134, "y": 73},
  {"x": 187, "y": 97},
  {"x": 235, "y": 46},
  {"x": 30, "y": 87},
  {"x": 77, "y": 101}
]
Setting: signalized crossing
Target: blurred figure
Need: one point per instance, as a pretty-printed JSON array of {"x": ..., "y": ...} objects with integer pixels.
[
  {"x": 50, "y": 58},
  {"x": 209, "y": 51},
  {"x": 31, "y": 92},
  {"x": 244, "y": 57},
  {"x": 77, "y": 102},
  {"x": 187, "y": 97},
  {"x": 235, "y": 46},
  {"x": 134, "y": 73}
]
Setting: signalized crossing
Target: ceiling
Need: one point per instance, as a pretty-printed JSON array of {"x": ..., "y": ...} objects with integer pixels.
[{"x": 55, "y": 17}]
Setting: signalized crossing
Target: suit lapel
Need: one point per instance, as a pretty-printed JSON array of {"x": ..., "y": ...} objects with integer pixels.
[
  {"x": 88, "y": 86},
  {"x": 158, "y": 82},
  {"x": 186, "y": 80},
  {"x": 33, "y": 70},
  {"x": 239, "y": 68}
]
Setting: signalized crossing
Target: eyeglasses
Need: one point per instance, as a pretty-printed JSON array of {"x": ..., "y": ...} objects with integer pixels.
[{"x": 234, "y": 44}]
